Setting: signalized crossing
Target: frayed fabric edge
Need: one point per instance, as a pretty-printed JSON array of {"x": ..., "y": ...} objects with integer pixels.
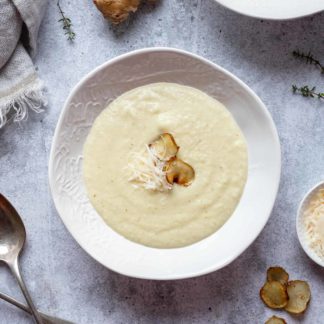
[{"x": 16, "y": 107}]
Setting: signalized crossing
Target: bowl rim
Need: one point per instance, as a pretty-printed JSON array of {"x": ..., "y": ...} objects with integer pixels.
[
  {"x": 227, "y": 5},
  {"x": 276, "y": 149},
  {"x": 302, "y": 242}
]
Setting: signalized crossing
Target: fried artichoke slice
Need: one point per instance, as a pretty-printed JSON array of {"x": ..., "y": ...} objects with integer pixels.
[
  {"x": 274, "y": 295},
  {"x": 164, "y": 147},
  {"x": 299, "y": 296},
  {"x": 178, "y": 171},
  {"x": 275, "y": 320},
  {"x": 277, "y": 274}
]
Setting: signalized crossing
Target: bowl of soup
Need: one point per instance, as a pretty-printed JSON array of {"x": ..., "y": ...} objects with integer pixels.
[{"x": 164, "y": 165}]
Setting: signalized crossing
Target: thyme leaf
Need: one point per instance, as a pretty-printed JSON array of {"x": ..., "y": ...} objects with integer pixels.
[
  {"x": 66, "y": 24},
  {"x": 308, "y": 58},
  {"x": 306, "y": 91}
]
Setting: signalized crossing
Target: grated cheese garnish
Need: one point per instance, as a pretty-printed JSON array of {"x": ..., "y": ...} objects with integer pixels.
[
  {"x": 314, "y": 223},
  {"x": 146, "y": 171}
]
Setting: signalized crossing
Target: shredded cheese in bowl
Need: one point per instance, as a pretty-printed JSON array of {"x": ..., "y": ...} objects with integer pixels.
[{"x": 313, "y": 221}]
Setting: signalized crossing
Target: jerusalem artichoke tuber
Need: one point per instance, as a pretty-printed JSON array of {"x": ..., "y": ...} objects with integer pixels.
[{"x": 116, "y": 10}]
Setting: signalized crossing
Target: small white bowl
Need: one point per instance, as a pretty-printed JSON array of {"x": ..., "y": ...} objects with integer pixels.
[
  {"x": 300, "y": 227},
  {"x": 92, "y": 94},
  {"x": 274, "y": 9}
]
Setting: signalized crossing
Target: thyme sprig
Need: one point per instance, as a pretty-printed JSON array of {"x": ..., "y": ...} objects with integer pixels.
[
  {"x": 67, "y": 24},
  {"x": 308, "y": 58},
  {"x": 306, "y": 91}
]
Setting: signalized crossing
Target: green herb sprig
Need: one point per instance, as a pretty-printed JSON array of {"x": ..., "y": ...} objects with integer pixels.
[
  {"x": 306, "y": 91},
  {"x": 67, "y": 24},
  {"x": 308, "y": 58}
]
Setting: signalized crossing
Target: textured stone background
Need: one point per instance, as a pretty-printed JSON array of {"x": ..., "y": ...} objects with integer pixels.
[{"x": 63, "y": 279}]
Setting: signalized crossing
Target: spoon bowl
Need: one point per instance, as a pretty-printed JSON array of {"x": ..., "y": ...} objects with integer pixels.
[
  {"x": 12, "y": 240},
  {"x": 12, "y": 231}
]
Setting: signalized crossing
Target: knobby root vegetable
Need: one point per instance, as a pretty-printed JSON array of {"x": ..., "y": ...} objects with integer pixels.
[{"x": 117, "y": 10}]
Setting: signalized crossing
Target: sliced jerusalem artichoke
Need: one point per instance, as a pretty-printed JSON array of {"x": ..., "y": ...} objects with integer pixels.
[
  {"x": 275, "y": 320},
  {"x": 299, "y": 296},
  {"x": 178, "y": 171},
  {"x": 164, "y": 147},
  {"x": 277, "y": 274},
  {"x": 116, "y": 10},
  {"x": 274, "y": 294}
]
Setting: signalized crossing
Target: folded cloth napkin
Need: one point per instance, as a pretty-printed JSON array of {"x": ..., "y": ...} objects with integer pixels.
[{"x": 20, "y": 87}]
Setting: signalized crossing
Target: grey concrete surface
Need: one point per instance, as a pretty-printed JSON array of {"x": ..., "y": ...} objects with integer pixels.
[{"x": 62, "y": 278}]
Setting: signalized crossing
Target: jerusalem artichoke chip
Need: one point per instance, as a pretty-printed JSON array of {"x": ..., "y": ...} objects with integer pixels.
[
  {"x": 164, "y": 147},
  {"x": 299, "y": 296},
  {"x": 178, "y": 171},
  {"x": 275, "y": 320},
  {"x": 274, "y": 295},
  {"x": 277, "y": 274}
]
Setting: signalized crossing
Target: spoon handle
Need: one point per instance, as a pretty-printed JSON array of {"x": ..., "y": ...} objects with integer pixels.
[
  {"x": 46, "y": 318},
  {"x": 14, "y": 267}
]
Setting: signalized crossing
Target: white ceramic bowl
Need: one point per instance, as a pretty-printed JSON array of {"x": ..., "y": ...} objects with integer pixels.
[
  {"x": 92, "y": 94},
  {"x": 301, "y": 227},
  {"x": 274, "y": 9}
]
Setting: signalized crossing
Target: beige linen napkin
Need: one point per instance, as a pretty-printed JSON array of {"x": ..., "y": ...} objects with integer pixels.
[{"x": 20, "y": 87}]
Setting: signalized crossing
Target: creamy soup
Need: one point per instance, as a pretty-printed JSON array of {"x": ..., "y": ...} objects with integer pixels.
[{"x": 210, "y": 142}]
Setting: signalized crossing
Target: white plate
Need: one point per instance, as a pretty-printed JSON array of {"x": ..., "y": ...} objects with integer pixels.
[
  {"x": 274, "y": 9},
  {"x": 92, "y": 94}
]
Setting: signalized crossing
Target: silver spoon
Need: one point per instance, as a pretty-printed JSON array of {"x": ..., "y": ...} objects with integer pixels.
[
  {"x": 46, "y": 318},
  {"x": 12, "y": 239}
]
